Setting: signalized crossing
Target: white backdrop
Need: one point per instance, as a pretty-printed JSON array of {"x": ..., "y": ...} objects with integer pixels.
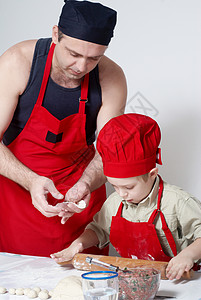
[{"x": 158, "y": 45}]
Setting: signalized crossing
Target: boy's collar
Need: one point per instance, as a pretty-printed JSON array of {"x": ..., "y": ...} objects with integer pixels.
[{"x": 154, "y": 192}]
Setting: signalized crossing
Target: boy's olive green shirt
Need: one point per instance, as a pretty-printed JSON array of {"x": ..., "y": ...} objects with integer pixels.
[{"x": 181, "y": 210}]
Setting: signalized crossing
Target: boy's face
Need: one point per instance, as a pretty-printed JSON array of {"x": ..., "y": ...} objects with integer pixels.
[{"x": 133, "y": 189}]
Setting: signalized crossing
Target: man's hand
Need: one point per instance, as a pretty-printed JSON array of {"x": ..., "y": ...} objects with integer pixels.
[
  {"x": 80, "y": 191},
  {"x": 39, "y": 189}
]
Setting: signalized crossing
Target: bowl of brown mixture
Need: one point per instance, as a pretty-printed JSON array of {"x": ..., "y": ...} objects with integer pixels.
[{"x": 138, "y": 283}]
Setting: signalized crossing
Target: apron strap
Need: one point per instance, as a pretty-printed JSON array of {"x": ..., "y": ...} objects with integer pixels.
[
  {"x": 168, "y": 234},
  {"x": 84, "y": 93},
  {"x": 46, "y": 75},
  {"x": 119, "y": 210},
  {"x": 165, "y": 228},
  {"x": 153, "y": 216},
  {"x": 84, "y": 84}
]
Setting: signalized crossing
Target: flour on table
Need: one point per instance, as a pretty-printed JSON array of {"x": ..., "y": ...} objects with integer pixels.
[{"x": 69, "y": 288}]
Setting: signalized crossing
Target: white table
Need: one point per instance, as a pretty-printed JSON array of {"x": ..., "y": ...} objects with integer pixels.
[{"x": 28, "y": 271}]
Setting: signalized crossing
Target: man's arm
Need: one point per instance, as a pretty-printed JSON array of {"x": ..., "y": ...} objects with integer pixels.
[
  {"x": 114, "y": 91},
  {"x": 114, "y": 95},
  {"x": 15, "y": 65}
]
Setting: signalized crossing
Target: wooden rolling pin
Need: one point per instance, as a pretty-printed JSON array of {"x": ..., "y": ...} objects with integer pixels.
[{"x": 79, "y": 262}]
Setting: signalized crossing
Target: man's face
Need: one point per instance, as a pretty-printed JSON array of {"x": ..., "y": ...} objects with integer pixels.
[
  {"x": 133, "y": 189},
  {"x": 75, "y": 58}
]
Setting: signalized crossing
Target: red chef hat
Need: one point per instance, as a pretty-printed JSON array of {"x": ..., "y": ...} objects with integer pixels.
[{"x": 128, "y": 145}]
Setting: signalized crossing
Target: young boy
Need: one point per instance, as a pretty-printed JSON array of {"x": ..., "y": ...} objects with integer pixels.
[{"x": 145, "y": 218}]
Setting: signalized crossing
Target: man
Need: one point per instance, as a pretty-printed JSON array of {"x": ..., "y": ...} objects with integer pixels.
[{"x": 49, "y": 112}]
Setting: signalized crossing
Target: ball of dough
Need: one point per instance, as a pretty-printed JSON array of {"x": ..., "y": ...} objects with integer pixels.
[
  {"x": 26, "y": 290},
  {"x": 37, "y": 289},
  {"x": 81, "y": 204},
  {"x": 43, "y": 295},
  {"x": 3, "y": 290},
  {"x": 12, "y": 291},
  {"x": 69, "y": 288},
  {"x": 32, "y": 294},
  {"x": 51, "y": 293},
  {"x": 19, "y": 291}
]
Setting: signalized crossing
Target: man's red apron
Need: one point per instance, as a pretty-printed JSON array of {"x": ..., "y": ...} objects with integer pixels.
[
  {"x": 133, "y": 239},
  {"x": 58, "y": 150}
]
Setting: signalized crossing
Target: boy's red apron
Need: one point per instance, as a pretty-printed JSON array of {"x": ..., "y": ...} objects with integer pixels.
[
  {"x": 140, "y": 239},
  {"x": 58, "y": 150}
]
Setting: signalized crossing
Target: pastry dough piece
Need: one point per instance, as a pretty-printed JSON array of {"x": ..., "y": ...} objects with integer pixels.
[
  {"x": 37, "y": 289},
  {"x": 69, "y": 288},
  {"x": 19, "y": 291},
  {"x": 12, "y": 291},
  {"x": 3, "y": 290},
  {"x": 43, "y": 295},
  {"x": 26, "y": 291},
  {"x": 81, "y": 204},
  {"x": 32, "y": 294}
]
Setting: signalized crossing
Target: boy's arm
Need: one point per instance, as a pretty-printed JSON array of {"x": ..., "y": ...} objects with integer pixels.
[
  {"x": 86, "y": 240},
  {"x": 96, "y": 233},
  {"x": 184, "y": 261}
]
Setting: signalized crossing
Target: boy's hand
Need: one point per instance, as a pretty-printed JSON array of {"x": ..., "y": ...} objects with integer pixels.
[
  {"x": 178, "y": 265},
  {"x": 68, "y": 253}
]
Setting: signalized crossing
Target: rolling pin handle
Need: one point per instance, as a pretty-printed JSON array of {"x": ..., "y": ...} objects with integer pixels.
[
  {"x": 94, "y": 261},
  {"x": 88, "y": 259},
  {"x": 114, "y": 268}
]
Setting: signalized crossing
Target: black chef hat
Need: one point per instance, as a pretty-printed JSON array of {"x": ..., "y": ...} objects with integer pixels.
[{"x": 91, "y": 22}]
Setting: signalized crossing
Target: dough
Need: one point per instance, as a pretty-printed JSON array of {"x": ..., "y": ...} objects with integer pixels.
[
  {"x": 19, "y": 291},
  {"x": 26, "y": 291},
  {"x": 43, "y": 295},
  {"x": 2, "y": 290},
  {"x": 12, "y": 291},
  {"x": 37, "y": 289},
  {"x": 69, "y": 288},
  {"x": 81, "y": 204},
  {"x": 32, "y": 294}
]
